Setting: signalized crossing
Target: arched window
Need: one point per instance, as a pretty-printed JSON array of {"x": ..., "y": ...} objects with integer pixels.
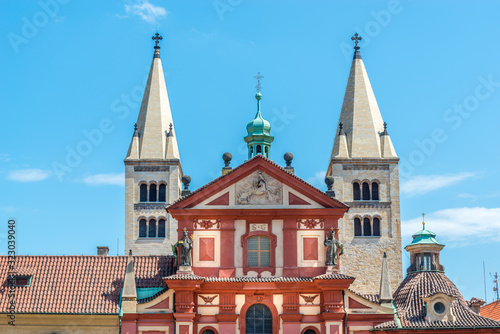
[
  {"x": 266, "y": 149},
  {"x": 259, "y": 251},
  {"x": 143, "y": 228},
  {"x": 152, "y": 192},
  {"x": 162, "y": 193},
  {"x": 208, "y": 331},
  {"x": 375, "y": 191},
  {"x": 259, "y": 320},
  {"x": 366, "y": 191},
  {"x": 367, "y": 229},
  {"x": 310, "y": 331},
  {"x": 259, "y": 149},
  {"x": 143, "y": 193},
  {"x": 376, "y": 227},
  {"x": 356, "y": 192},
  {"x": 161, "y": 228},
  {"x": 357, "y": 227},
  {"x": 152, "y": 228}
]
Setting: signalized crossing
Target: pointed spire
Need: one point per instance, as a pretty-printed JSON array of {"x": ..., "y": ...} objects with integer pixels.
[
  {"x": 387, "y": 148},
  {"x": 133, "y": 150},
  {"x": 360, "y": 116},
  {"x": 155, "y": 115},
  {"x": 340, "y": 144},
  {"x": 129, "y": 292},
  {"x": 385, "y": 294}
]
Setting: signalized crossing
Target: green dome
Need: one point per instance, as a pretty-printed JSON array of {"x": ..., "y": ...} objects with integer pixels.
[
  {"x": 258, "y": 125},
  {"x": 424, "y": 237}
]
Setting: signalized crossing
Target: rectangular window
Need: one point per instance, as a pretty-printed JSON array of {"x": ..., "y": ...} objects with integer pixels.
[{"x": 259, "y": 251}]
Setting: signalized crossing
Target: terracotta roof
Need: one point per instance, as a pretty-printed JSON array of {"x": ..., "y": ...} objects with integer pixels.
[
  {"x": 257, "y": 279},
  {"x": 79, "y": 284},
  {"x": 245, "y": 163},
  {"x": 374, "y": 298},
  {"x": 411, "y": 308},
  {"x": 491, "y": 310}
]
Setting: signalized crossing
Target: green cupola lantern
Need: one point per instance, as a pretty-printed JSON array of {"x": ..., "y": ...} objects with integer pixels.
[
  {"x": 424, "y": 251},
  {"x": 259, "y": 137}
]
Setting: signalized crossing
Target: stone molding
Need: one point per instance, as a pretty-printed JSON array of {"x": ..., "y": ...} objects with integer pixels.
[
  {"x": 365, "y": 167},
  {"x": 150, "y": 206},
  {"x": 151, "y": 168},
  {"x": 369, "y": 204}
]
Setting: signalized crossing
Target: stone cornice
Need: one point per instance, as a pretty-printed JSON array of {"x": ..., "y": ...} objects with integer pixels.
[
  {"x": 365, "y": 167},
  {"x": 150, "y": 206},
  {"x": 369, "y": 204},
  {"x": 151, "y": 168},
  {"x": 152, "y": 162},
  {"x": 375, "y": 161}
]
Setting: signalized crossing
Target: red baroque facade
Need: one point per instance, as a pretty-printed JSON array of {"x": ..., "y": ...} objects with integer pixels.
[{"x": 258, "y": 262}]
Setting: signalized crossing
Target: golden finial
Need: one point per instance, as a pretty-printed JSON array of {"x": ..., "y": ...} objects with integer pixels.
[{"x": 423, "y": 221}]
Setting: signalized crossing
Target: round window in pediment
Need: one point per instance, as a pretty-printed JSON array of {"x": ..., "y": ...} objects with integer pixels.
[{"x": 439, "y": 308}]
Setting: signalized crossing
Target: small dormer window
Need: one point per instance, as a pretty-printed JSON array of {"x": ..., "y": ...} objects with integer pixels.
[
  {"x": 21, "y": 280},
  {"x": 439, "y": 307}
]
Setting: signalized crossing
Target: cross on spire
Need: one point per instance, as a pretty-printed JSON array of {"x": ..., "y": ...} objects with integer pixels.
[
  {"x": 157, "y": 38},
  {"x": 356, "y": 38},
  {"x": 258, "y": 77}
]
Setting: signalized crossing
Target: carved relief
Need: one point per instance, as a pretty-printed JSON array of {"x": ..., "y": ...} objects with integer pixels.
[
  {"x": 206, "y": 223},
  {"x": 309, "y": 299},
  {"x": 259, "y": 188},
  {"x": 208, "y": 299},
  {"x": 310, "y": 223},
  {"x": 251, "y": 299}
]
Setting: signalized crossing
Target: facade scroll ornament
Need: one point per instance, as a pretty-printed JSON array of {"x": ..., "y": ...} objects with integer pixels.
[{"x": 310, "y": 223}]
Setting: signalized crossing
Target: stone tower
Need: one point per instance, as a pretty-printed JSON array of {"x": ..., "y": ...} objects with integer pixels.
[
  {"x": 364, "y": 166},
  {"x": 152, "y": 170}
]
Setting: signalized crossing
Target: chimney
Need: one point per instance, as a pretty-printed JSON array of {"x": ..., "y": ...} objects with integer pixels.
[{"x": 102, "y": 250}]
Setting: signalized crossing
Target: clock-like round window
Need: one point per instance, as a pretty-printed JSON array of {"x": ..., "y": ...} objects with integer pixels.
[{"x": 439, "y": 308}]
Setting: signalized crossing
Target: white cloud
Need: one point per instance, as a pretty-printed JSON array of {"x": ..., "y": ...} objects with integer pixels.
[
  {"x": 147, "y": 11},
  {"x": 460, "y": 226},
  {"x": 4, "y": 157},
  {"x": 421, "y": 184},
  {"x": 318, "y": 180},
  {"x": 28, "y": 175},
  {"x": 105, "y": 179}
]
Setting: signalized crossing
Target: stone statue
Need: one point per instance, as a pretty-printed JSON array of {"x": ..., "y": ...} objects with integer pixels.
[
  {"x": 186, "y": 246},
  {"x": 333, "y": 249}
]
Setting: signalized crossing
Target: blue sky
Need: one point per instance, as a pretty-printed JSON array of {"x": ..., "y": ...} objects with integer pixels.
[{"x": 71, "y": 68}]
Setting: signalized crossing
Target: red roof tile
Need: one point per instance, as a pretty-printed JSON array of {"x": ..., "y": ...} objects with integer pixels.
[
  {"x": 491, "y": 310},
  {"x": 411, "y": 308},
  {"x": 79, "y": 284}
]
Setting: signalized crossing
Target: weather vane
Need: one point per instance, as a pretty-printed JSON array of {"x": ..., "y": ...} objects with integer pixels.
[
  {"x": 258, "y": 77},
  {"x": 356, "y": 38}
]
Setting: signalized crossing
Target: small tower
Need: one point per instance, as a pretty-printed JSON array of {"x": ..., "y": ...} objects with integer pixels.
[
  {"x": 364, "y": 166},
  {"x": 259, "y": 137},
  {"x": 424, "y": 252},
  {"x": 152, "y": 170}
]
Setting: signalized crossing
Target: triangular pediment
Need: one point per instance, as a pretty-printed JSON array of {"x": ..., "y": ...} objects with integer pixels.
[{"x": 257, "y": 184}]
